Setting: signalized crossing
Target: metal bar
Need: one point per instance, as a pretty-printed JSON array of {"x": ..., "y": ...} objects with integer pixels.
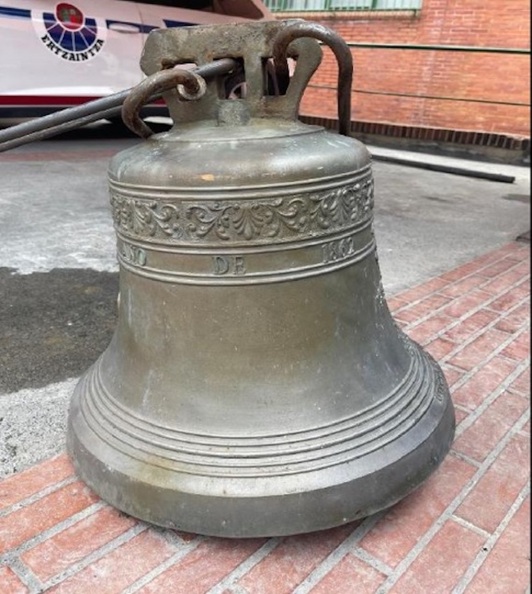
[
  {"x": 341, "y": 52},
  {"x": 465, "y": 171},
  {"x": 444, "y": 98},
  {"x": 413, "y": 96},
  {"x": 92, "y": 111},
  {"x": 443, "y": 48},
  {"x": 62, "y": 121}
]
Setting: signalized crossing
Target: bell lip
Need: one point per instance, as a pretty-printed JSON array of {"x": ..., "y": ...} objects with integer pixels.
[{"x": 269, "y": 516}]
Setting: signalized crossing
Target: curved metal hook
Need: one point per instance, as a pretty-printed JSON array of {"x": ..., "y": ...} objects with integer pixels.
[
  {"x": 188, "y": 84},
  {"x": 343, "y": 57}
]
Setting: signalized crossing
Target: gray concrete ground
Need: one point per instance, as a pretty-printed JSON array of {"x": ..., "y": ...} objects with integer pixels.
[{"x": 58, "y": 274}]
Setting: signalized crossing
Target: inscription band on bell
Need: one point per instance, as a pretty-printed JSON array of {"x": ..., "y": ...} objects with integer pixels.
[
  {"x": 258, "y": 240},
  {"x": 256, "y": 217}
]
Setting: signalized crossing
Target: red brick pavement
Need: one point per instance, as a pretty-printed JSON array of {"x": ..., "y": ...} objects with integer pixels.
[{"x": 465, "y": 530}]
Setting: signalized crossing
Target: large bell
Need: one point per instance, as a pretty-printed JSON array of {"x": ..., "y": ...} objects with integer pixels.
[{"x": 256, "y": 384}]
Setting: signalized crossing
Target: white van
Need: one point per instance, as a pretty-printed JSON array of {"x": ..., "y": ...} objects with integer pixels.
[{"x": 60, "y": 54}]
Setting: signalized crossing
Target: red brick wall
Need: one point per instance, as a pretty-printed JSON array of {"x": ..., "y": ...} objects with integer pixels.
[{"x": 439, "y": 78}]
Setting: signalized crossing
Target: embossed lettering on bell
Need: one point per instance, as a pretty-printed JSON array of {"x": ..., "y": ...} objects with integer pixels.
[{"x": 256, "y": 383}]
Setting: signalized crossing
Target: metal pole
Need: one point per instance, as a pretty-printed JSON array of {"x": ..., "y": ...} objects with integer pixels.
[
  {"x": 414, "y": 96},
  {"x": 62, "y": 121},
  {"x": 445, "y": 48},
  {"x": 74, "y": 117}
]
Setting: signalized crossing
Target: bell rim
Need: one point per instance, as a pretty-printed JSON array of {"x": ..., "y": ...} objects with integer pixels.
[{"x": 269, "y": 516}]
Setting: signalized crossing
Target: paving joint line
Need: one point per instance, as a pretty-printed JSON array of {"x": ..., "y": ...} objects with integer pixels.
[
  {"x": 448, "y": 283},
  {"x": 332, "y": 560},
  {"x": 469, "y": 374},
  {"x": 524, "y": 433},
  {"x": 519, "y": 394},
  {"x": 490, "y": 542},
  {"x": 448, "y": 368},
  {"x": 470, "y": 526},
  {"x": 38, "y": 495},
  {"x": 368, "y": 558},
  {"x": 184, "y": 549},
  {"x": 452, "y": 367},
  {"x": 512, "y": 336},
  {"x": 447, "y": 514},
  {"x": 458, "y": 280},
  {"x": 246, "y": 566},
  {"x": 100, "y": 553},
  {"x": 525, "y": 278},
  {"x": 26, "y": 576},
  {"x": 488, "y": 401},
  {"x": 485, "y": 304},
  {"x": 465, "y": 458},
  {"x": 51, "y": 532},
  {"x": 237, "y": 589},
  {"x": 462, "y": 408}
]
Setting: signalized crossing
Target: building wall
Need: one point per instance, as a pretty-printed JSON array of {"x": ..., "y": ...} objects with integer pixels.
[{"x": 456, "y": 90}]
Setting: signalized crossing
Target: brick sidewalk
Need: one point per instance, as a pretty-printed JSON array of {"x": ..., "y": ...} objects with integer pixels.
[{"x": 465, "y": 530}]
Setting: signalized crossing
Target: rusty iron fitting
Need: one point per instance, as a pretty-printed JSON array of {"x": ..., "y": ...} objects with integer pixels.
[
  {"x": 188, "y": 85},
  {"x": 343, "y": 57}
]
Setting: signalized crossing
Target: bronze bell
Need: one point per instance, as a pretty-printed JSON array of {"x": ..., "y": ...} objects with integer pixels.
[{"x": 256, "y": 384}]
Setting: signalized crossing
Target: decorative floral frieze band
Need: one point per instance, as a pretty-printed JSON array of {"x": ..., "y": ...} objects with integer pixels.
[{"x": 297, "y": 217}]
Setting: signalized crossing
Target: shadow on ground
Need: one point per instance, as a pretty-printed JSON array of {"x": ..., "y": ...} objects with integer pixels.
[{"x": 54, "y": 324}]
